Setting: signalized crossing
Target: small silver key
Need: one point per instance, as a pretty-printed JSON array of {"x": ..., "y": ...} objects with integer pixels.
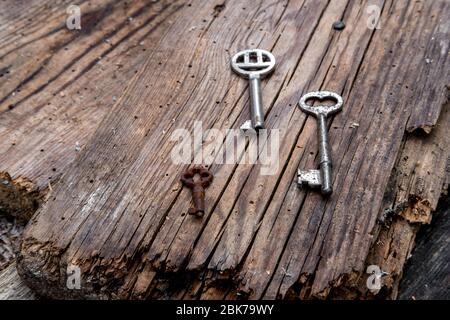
[
  {"x": 254, "y": 65},
  {"x": 320, "y": 178}
]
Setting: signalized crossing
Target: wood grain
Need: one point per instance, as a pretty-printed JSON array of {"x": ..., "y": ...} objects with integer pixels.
[
  {"x": 12, "y": 286},
  {"x": 426, "y": 275},
  {"x": 59, "y": 83},
  {"x": 116, "y": 207}
]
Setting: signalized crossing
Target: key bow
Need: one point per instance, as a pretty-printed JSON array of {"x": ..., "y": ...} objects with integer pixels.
[
  {"x": 197, "y": 187},
  {"x": 187, "y": 177},
  {"x": 321, "y": 109}
]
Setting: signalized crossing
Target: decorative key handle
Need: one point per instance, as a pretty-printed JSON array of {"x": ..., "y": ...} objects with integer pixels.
[
  {"x": 254, "y": 65},
  {"x": 320, "y": 178},
  {"x": 197, "y": 187}
]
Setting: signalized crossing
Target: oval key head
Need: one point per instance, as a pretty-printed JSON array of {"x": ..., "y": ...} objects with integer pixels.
[
  {"x": 253, "y": 62},
  {"x": 321, "y": 109}
]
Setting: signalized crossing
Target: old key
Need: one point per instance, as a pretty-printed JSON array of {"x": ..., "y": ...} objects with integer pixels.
[
  {"x": 254, "y": 65},
  {"x": 322, "y": 178},
  {"x": 197, "y": 179}
]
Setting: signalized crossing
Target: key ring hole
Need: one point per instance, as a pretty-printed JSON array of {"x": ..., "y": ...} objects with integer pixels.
[
  {"x": 326, "y": 101},
  {"x": 254, "y": 61},
  {"x": 325, "y": 106},
  {"x": 266, "y": 58},
  {"x": 188, "y": 175},
  {"x": 253, "y": 57},
  {"x": 205, "y": 174}
]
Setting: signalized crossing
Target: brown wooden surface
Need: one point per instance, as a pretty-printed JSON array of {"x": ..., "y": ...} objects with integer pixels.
[
  {"x": 12, "y": 286},
  {"x": 91, "y": 123},
  {"x": 426, "y": 274}
]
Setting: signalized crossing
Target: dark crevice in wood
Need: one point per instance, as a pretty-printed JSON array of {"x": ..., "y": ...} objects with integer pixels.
[
  {"x": 21, "y": 84},
  {"x": 86, "y": 52},
  {"x": 113, "y": 47},
  {"x": 42, "y": 37},
  {"x": 282, "y": 13},
  {"x": 202, "y": 281},
  {"x": 308, "y": 41}
]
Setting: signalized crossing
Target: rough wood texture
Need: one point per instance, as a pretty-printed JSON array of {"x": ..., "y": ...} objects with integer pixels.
[
  {"x": 119, "y": 211},
  {"x": 18, "y": 198},
  {"x": 427, "y": 273},
  {"x": 12, "y": 287},
  {"x": 10, "y": 233},
  {"x": 57, "y": 84},
  {"x": 415, "y": 186}
]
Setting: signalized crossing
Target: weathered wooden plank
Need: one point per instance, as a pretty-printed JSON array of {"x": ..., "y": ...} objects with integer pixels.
[
  {"x": 422, "y": 170},
  {"x": 59, "y": 83},
  {"x": 417, "y": 184},
  {"x": 56, "y": 85},
  {"x": 118, "y": 210},
  {"x": 169, "y": 56},
  {"x": 329, "y": 239},
  {"x": 182, "y": 234},
  {"x": 12, "y": 287},
  {"x": 426, "y": 274}
]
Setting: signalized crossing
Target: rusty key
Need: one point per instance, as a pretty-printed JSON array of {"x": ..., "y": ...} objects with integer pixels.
[{"x": 197, "y": 186}]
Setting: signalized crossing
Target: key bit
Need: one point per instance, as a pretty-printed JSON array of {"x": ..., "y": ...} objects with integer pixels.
[
  {"x": 310, "y": 178},
  {"x": 197, "y": 186},
  {"x": 320, "y": 178},
  {"x": 254, "y": 65}
]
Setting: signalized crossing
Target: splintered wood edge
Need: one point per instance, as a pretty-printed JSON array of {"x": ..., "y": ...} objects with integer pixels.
[
  {"x": 19, "y": 198},
  {"x": 402, "y": 215},
  {"x": 338, "y": 282}
]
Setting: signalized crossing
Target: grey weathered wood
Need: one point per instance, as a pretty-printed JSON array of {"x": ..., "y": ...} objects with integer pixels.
[
  {"x": 12, "y": 286},
  {"x": 57, "y": 84},
  {"x": 119, "y": 211},
  {"x": 426, "y": 275},
  {"x": 415, "y": 188}
]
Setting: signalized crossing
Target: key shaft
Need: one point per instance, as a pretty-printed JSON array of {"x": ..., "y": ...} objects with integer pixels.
[
  {"x": 198, "y": 198},
  {"x": 254, "y": 64},
  {"x": 324, "y": 154},
  {"x": 256, "y": 106}
]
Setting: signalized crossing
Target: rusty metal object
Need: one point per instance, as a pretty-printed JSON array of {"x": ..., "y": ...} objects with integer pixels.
[{"x": 197, "y": 187}]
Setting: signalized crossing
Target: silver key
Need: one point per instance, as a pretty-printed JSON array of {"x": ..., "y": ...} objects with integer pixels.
[
  {"x": 320, "y": 178},
  {"x": 254, "y": 65}
]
